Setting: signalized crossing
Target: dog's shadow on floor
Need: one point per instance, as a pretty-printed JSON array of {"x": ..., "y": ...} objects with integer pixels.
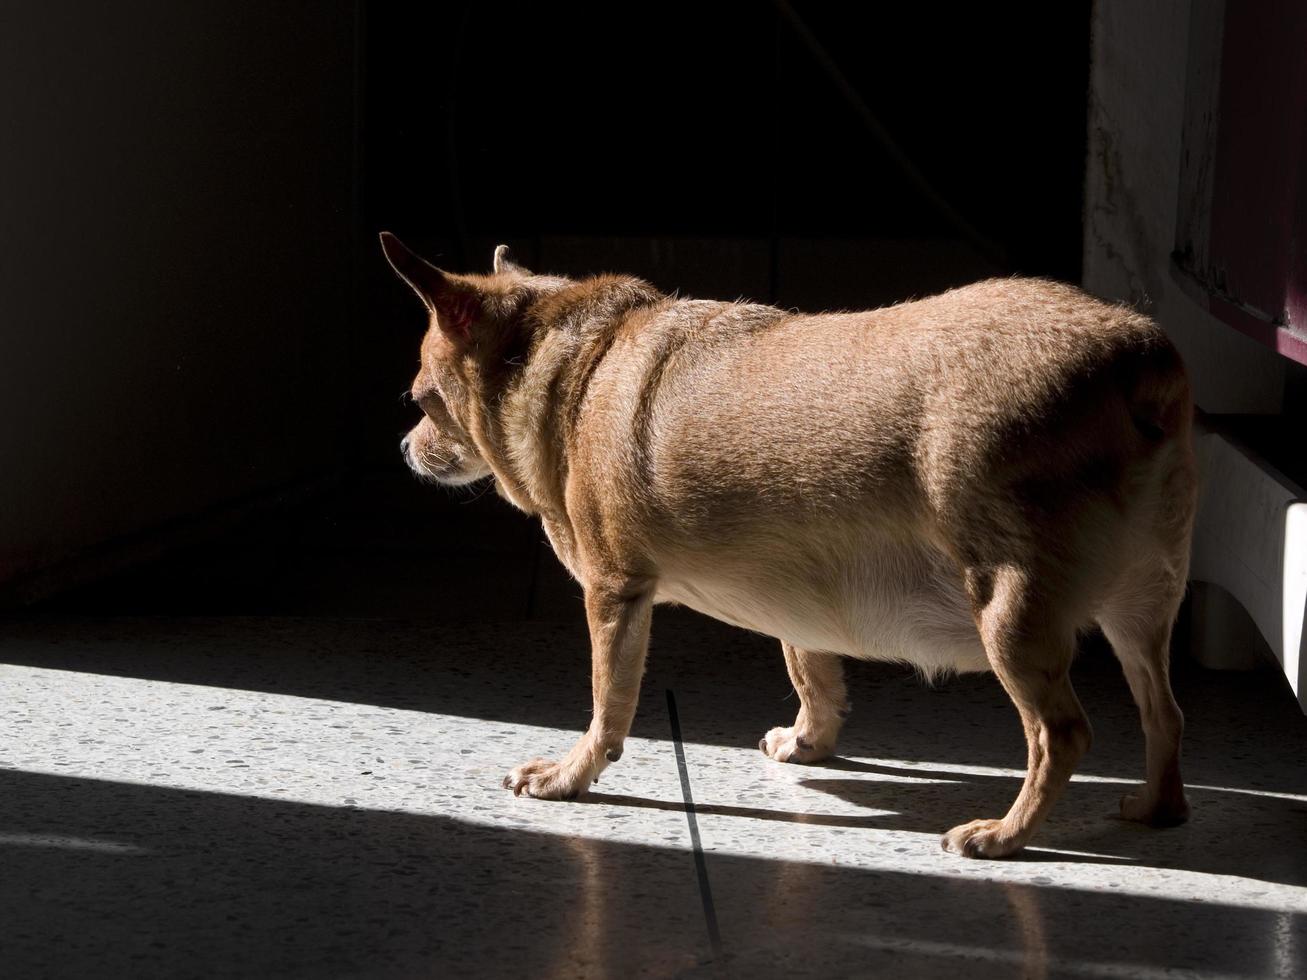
[{"x": 1231, "y": 832}]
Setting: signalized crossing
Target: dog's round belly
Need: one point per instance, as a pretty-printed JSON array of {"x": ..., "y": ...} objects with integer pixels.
[
  {"x": 804, "y": 623},
  {"x": 922, "y": 620}
]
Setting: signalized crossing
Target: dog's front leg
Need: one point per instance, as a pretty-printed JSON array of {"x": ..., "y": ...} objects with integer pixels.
[{"x": 619, "y": 639}]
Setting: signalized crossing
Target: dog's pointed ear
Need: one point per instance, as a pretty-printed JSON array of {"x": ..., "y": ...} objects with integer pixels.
[
  {"x": 504, "y": 262},
  {"x": 454, "y": 303},
  {"x": 424, "y": 278}
]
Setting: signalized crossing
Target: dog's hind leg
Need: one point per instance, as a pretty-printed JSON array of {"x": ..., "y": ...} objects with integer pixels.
[
  {"x": 619, "y": 639},
  {"x": 1030, "y": 650},
  {"x": 818, "y": 679},
  {"x": 1137, "y": 618},
  {"x": 1141, "y": 640}
]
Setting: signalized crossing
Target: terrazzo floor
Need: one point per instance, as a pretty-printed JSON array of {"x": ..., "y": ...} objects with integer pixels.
[{"x": 319, "y": 796}]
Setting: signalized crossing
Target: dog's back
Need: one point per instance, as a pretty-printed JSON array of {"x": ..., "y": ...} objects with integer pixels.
[{"x": 867, "y": 454}]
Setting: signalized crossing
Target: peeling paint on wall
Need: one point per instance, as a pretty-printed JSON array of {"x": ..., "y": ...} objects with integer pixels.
[{"x": 1137, "y": 114}]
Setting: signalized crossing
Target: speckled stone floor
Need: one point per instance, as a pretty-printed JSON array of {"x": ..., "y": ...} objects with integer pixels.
[{"x": 318, "y": 795}]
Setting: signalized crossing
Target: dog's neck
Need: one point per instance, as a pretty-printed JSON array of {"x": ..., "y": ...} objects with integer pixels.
[{"x": 526, "y": 429}]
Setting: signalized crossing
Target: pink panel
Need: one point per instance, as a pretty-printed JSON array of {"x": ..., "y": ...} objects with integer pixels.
[{"x": 1257, "y": 246}]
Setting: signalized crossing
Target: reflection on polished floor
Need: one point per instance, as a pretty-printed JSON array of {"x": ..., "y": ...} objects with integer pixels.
[{"x": 319, "y": 795}]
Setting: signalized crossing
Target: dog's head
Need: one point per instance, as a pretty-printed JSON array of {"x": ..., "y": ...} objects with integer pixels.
[{"x": 476, "y": 338}]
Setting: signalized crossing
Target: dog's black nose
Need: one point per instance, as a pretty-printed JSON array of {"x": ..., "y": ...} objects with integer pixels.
[{"x": 403, "y": 445}]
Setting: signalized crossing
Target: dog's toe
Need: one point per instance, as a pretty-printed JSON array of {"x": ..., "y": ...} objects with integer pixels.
[
  {"x": 545, "y": 780},
  {"x": 786, "y": 745},
  {"x": 979, "y": 839}
]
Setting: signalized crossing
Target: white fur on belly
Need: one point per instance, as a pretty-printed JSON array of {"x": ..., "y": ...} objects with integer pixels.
[{"x": 876, "y": 605}]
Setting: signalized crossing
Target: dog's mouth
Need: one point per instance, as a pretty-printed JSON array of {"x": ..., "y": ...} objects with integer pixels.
[
  {"x": 454, "y": 476},
  {"x": 452, "y": 470},
  {"x": 438, "y": 471}
]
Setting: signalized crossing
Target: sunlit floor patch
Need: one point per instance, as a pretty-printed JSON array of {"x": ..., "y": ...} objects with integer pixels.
[{"x": 873, "y": 813}]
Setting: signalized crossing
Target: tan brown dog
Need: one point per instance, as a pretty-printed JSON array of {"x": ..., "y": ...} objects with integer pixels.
[{"x": 961, "y": 483}]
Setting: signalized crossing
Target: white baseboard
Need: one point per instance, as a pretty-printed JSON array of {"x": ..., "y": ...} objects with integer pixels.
[{"x": 1251, "y": 540}]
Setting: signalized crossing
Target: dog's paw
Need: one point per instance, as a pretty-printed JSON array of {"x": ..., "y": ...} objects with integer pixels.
[
  {"x": 1143, "y": 808},
  {"x": 546, "y": 780},
  {"x": 980, "y": 839},
  {"x": 786, "y": 745}
]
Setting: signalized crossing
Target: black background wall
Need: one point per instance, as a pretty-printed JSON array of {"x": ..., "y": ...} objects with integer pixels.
[
  {"x": 176, "y": 220},
  {"x": 679, "y": 118},
  {"x": 193, "y": 309}
]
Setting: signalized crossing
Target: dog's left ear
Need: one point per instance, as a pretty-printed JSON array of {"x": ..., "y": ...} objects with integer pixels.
[
  {"x": 423, "y": 277},
  {"x": 455, "y": 303},
  {"x": 504, "y": 262}
]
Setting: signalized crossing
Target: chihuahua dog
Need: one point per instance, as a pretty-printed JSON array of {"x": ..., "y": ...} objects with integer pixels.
[{"x": 961, "y": 483}]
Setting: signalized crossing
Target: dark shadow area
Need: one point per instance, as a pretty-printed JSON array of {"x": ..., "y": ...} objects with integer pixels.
[
  {"x": 693, "y": 119},
  {"x": 131, "y": 880},
  {"x": 190, "y": 883},
  {"x": 379, "y": 545}
]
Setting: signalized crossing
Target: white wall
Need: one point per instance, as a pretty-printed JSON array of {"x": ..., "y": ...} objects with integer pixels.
[{"x": 1136, "y": 115}]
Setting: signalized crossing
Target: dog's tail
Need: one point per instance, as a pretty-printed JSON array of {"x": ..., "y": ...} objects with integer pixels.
[
  {"x": 1157, "y": 395},
  {"x": 1160, "y": 409}
]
